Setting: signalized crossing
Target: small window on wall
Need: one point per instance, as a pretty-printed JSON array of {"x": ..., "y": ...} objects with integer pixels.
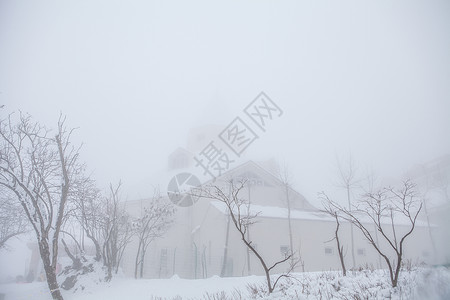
[
  {"x": 284, "y": 251},
  {"x": 329, "y": 251},
  {"x": 361, "y": 251}
]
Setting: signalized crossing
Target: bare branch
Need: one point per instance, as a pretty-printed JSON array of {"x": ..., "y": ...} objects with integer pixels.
[
  {"x": 239, "y": 210},
  {"x": 381, "y": 209}
]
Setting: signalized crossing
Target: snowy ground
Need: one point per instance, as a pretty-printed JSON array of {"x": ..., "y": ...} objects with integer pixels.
[{"x": 366, "y": 284}]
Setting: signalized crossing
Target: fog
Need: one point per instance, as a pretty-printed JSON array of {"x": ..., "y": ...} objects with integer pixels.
[
  {"x": 366, "y": 80},
  {"x": 370, "y": 79}
]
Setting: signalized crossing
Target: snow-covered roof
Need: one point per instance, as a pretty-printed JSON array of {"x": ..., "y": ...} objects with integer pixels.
[
  {"x": 251, "y": 166},
  {"x": 277, "y": 212},
  {"x": 282, "y": 213}
]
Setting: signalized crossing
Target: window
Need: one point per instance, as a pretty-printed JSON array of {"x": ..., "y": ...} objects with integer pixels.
[
  {"x": 361, "y": 251},
  {"x": 329, "y": 250}
]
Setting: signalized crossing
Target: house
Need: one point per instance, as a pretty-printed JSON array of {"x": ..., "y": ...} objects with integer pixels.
[{"x": 202, "y": 241}]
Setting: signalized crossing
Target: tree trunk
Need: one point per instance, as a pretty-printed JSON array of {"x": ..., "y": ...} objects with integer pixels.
[
  {"x": 269, "y": 284},
  {"x": 249, "y": 269},
  {"x": 225, "y": 250},
  {"x": 49, "y": 270},
  {"x": 391, "y": 272},
  {"x": 98, "y": 250},
  {"x": 291, "y": 246},
  {"x": 397, "y": 270},
  {"x": 339, "y": 247},
  {"x": 107, "y": 262},
  {"x": 351, "y": 229},
  {"x": 76, "y": 262},
  {"x": 137, "y": 262},
  {"x": 263, "y": 263},
  {"x": 141, "y": 272}
]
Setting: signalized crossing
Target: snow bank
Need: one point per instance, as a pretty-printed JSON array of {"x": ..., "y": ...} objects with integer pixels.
[{"x": 423, "y": 283}]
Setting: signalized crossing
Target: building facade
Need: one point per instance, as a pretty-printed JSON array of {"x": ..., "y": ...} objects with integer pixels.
[{"x": 202, "y": 241}]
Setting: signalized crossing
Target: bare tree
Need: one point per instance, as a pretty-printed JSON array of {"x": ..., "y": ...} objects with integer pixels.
[
  {"x": 39, "y": 168},
  {"x": 104, "y": 221},
  {"x": 12, "y": 219},
  {"x": 333, "y": 212},
  {"x": 285, "y": 177},
  {"x": 154, "y": 222},
  {"x": 382, "y": 209},
  {"x": 367, "y": 185},
  {"x": 242, "y": 218},
  {"x": 90, "y": 213},
  {"x": 77, "y": 256},
  {"x": 117, "y": 231},
  {"x": 348, "y": 181}
]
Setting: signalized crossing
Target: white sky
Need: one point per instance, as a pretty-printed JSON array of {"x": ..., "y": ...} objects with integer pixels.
[{"x": 370, "y": 78}]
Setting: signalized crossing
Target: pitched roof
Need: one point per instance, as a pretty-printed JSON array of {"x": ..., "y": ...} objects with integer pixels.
[{"x": 251, "y": 166}]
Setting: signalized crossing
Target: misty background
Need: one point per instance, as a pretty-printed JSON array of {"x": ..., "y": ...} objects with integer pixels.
[{"x": 367, "y": 78}]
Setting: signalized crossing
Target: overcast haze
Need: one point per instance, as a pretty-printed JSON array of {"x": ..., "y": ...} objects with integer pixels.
[{"x": 367, "y": 78}]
